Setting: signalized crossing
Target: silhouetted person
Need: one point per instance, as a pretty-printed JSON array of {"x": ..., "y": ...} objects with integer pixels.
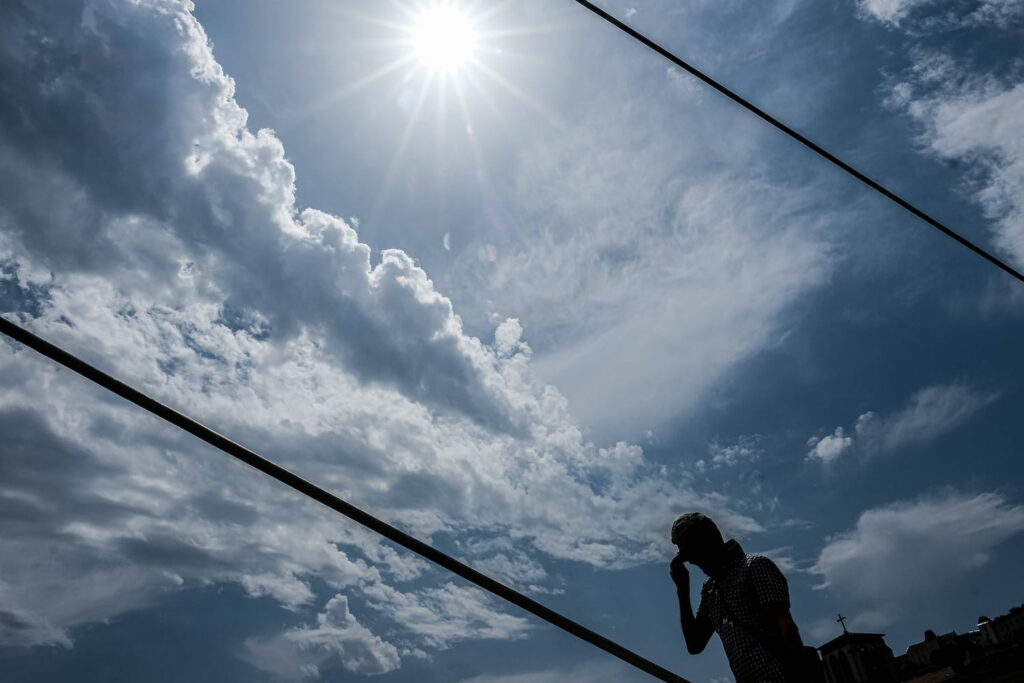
[{"x": 745, "y": 600}]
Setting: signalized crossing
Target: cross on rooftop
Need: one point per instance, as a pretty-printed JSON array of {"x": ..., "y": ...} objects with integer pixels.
[{"x": 842, "y": 620}]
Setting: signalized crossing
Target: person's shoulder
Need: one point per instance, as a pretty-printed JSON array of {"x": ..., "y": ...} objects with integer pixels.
[
  {"x": 761, "y": 564},
  {"x": 767, "y": 581},
  {"x": 760, "y": 561}
]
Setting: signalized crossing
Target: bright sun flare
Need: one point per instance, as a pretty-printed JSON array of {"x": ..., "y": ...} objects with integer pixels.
[{"x": 443, "y": 38}]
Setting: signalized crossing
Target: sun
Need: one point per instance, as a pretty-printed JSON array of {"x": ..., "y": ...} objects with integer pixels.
[
  {"x": 443, "y": 38},
  {"x": 446, "y": 65}
]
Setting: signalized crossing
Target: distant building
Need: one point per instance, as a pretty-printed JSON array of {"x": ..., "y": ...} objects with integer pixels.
[
  {"x": 1004, "y": 630},
  {"x": 946, "y": 649},
  {"x": 992, "y": 654},
  {"x": 858, "y": 658}
]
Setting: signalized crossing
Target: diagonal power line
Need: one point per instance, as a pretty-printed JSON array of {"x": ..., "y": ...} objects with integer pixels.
[
  {"x": 313, "y": 491},
  {"x": 820, "y": 151}
]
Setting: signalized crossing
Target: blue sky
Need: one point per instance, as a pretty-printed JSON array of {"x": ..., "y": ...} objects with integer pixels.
[{"x": 529, "y": 311}]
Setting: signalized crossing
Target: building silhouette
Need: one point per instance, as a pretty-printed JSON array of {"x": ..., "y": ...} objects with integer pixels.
[
  {"x": 1008, "y": 628},
  {"x": 858, "y": 658},
  {"x": 944, "y": 649},
  {"x": 993, "y": 653}
]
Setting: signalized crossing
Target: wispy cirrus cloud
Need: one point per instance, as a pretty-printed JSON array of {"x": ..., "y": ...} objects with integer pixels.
[
  {"x": 930, "y": 413},
  {"x": 910, "y": 548},
  {"x": 978, "y": 123},
  {"x": 967, "y": 112},
  {"x": 931, "y": 13},
  {"x": 677, "y": 265}
]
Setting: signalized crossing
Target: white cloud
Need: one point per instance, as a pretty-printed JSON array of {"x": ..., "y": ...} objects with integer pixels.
[
  {"x": 446, "y": 615},
  {"x": 671, "y": 284},
  {"x": 974, "y": 118},
  {"x": 146, "y": 228},
  {"x": 890, "y": 11},
  {"x": 20, "y": 628},
  {"x": 337, "y": 637},
  {"x": 911, "y": 548},
  {"x": 501, "y": 559},
  {"x": 641, "y": 263},
  {"x": 747, "y": 449},
  {"x": 338, "y": 631},
  {"x": 930, "y": 413},
  {"x": 507, "y": 338},
  {"x": 941, "y": 15},
  {"x": 984, "y": 126},
  {"x": 830, "y": 447}
]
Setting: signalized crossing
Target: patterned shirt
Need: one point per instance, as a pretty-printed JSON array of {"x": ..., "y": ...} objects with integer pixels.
[{"x": 739, "y": 592}]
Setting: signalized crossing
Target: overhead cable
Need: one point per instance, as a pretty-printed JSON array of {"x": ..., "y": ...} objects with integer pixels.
[
  {"x": 817, "y": 149},
  {"x": 313, "y": 491}
]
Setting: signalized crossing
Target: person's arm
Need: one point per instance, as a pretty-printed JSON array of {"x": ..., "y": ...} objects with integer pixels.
[
  {"x": 697, "y": 630},
  {"x": 771, "y": 595},
  {"x": 779, "y": 618}
]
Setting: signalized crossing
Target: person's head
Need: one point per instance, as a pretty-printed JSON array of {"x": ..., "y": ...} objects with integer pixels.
[{"x": 698, "y": 539}]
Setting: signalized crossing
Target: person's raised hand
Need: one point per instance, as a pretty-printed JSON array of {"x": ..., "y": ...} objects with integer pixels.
[{"x": 679, "y": 573}]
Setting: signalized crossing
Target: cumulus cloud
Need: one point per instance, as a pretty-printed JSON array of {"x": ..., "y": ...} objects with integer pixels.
[
  {"x": 186, "y": 189},
  {"x": 745, "y": 451},
  {"x": 910, "y": 548},
  {"x": 508, "y": 336},
  {"x": 829, "y": 448},
  {"x": 446, "y": 615},
  {"x": 337, "y": 635},
  {"x": 502, "y": 559},
  {"x": 145, "y": 227},
  {"x": 930, "y": 413}
]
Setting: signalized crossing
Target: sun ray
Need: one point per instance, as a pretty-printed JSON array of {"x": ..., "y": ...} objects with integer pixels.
[
  {"x": 403, "y": 143},
  {"x": 473, "y": 79},
  {"x": 511, "y": 87},
  {"x": 474, "y": 145},
  {"x": 460, "y": 97},
  {"x": 325, "y": 101}
]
